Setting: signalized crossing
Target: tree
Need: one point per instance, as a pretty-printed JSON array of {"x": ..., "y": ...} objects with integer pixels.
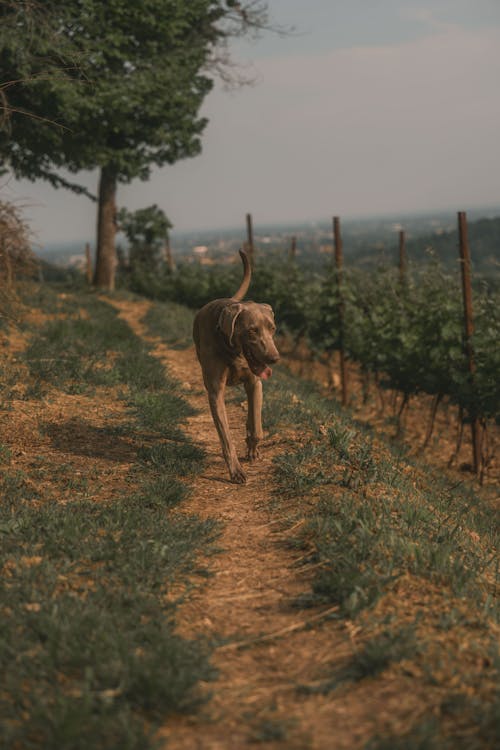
[
  {"x": 130, "y": 101},
  {"x": 15, "y": 247},
  {"x": 147, "y": 233}
]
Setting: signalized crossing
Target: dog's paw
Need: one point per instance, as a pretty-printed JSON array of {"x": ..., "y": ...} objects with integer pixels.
[
  {"x": 238, "y": 476},
  {"x": 253, "y": 453}
]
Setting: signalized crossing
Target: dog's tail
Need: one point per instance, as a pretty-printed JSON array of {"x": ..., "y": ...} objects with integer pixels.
[{"x": 247, "y": 275}]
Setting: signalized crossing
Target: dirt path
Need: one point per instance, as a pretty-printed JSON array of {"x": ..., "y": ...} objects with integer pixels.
[{"x": 248, "y": 601}]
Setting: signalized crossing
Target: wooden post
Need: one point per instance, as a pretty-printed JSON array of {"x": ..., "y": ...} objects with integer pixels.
[
  {"x": 402, "y": 257},
  {"x": 293, "y": 248},
  {"x": 250, "y": 245},
  {"x": 338, "y": 266},
  {"x": 88, "y": 264},
  {"x": 465, "y": 266},
  {"x": 168, "y": 253}
]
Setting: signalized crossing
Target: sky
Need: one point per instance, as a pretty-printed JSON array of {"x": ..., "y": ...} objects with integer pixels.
[{"x": 366, "y": 107}]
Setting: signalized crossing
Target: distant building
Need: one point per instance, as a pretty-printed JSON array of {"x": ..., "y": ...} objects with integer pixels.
[
  {"x": 76, "y": 261},
  {"x": 200, "y": 251}
]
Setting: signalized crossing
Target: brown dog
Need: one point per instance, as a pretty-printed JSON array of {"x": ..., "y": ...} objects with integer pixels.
[{"x": 234, "y": 343}]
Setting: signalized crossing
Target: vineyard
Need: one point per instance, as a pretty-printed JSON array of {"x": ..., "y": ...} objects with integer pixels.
[{"x": 405, "y": 334}]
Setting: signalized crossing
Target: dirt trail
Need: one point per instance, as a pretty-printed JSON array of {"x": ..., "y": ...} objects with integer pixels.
[{"x": 249, "y": 599}]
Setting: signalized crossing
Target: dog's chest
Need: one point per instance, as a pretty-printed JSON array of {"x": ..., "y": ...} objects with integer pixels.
[{"x": 238, "y": 370}]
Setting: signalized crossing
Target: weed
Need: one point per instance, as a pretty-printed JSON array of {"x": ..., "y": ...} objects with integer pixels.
[
  {"x": 160, "y": 411},
  {"x": 269, "y": 730},
  {"x": 5, "y": 453},
  {"x": 349, "y": 544},
  {"x": 290, "y": 401},
  {"x": 373, "y": 658},
  {"x": 424, "y": 736},
  {"x": 62, "y": 353},
  {"x": 340, "y": 438},
  {"x": 138, "y": 370},
  {"x": 15, "y": 486},
  {"x": 171, "y": 322},
  {"x": 173, "y": 457},
  {"x": 297, "y": 472},
  {"x": 162, "y": 492},
  {"x": 466, "y": 724}
]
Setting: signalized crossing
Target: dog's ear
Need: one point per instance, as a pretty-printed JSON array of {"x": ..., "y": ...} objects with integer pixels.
[
  {"x": 227, "y": 320},
  {"x": 268, "y": 310},
  {"x": 267, "y": 307}
]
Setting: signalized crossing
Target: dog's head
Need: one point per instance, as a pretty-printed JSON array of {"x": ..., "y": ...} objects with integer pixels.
[{"x": 249, "y": 327}]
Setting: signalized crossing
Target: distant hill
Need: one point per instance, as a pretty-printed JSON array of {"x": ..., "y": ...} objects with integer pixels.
[
  {"x": 60, "y": 252},
  {"x": 370, "y": 245},
  {"x": 484, "y": 242}
]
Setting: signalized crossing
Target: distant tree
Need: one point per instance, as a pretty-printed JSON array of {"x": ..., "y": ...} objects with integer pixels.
[
  {"x": 130, "y": 101},
  {"x": 147, "y": 233}
]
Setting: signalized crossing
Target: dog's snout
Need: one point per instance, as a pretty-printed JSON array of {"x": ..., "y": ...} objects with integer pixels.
[{"x": 274, "y": 357}]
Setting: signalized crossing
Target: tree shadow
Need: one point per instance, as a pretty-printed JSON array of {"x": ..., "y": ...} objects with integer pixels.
[{"x": 79, "y": 437}]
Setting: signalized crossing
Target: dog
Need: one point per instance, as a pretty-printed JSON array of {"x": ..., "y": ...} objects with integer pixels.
[{"x": 234, "y": 343}]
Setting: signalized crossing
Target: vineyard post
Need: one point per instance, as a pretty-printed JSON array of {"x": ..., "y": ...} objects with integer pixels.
[
  {"x": 402, "y": 256},
  {"x": 465, "y": 266},
  {"x": 88, "y": 264},
  {"x": 338, "y": 266},
  {"x": 250, "y": 245}
]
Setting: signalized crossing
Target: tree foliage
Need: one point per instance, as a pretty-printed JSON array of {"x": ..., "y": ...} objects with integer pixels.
[
  {"x": 146, "y": 231},
  {"x": 36, "y": 62},
  {"x": 116, "y": 86},
  {"x": 90, "y": 84}
]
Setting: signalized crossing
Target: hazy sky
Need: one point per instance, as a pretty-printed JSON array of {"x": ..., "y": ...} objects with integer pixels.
[{"x": 371, "y": 106}]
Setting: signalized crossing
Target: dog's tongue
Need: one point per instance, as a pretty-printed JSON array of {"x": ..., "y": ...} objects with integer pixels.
[{"x": 266, "y": 373}]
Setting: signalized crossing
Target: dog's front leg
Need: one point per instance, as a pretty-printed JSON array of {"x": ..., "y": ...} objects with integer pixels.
[
  {"x": 253, "y": 390},
  {"x": 218, "y": 409}
]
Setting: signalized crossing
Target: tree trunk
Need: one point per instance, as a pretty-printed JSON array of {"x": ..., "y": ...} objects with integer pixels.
[
  {"x": 88, "y": 264},
  {"x": 105, "y": 262},
  {"x": 168, "y": 254},
  {"x": 435, "y": 403}
]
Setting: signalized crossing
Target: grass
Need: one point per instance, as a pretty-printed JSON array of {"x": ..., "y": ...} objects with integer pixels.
[
  {"x": 411, "y": 561},
  {"x": 269, "y": 730},
  {"x": 78, "y": 353},
  {"x": 469, "y": 726},
  {"x": 373, "y": 658},
  {"x": 88, "y": 650},
  {"x": 170, "y": 322}
]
